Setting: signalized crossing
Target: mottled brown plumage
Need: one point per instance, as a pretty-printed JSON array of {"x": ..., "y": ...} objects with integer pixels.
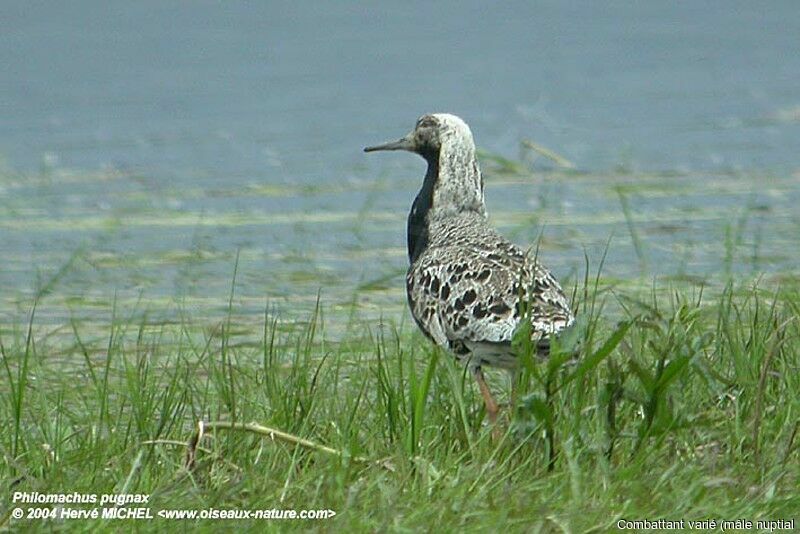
[{"x": 468, "y": 287}]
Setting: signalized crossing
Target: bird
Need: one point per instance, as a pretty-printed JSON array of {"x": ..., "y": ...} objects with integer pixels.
[{"x": 469, "y": 288}]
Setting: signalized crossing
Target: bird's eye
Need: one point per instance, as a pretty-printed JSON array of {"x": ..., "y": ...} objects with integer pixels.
[{"x": 426, "y": 122}]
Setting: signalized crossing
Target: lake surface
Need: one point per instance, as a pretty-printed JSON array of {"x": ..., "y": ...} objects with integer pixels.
[{"x": 148, "y": 142}]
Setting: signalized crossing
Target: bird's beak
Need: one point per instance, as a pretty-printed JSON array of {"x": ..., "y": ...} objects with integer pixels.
[{"x": 404, "y": 143}]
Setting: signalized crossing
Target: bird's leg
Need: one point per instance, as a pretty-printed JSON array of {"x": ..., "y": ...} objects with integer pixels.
[{"x": 492, "y": 408}]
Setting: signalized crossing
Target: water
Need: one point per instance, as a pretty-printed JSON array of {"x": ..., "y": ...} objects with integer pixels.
[{"x": 152, "y": 140}]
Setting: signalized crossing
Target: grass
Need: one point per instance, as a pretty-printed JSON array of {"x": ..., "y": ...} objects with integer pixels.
[{"x": 681, "y": 406}]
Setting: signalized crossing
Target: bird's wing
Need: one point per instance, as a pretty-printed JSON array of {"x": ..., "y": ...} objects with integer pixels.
[{"x": 475, "y": 297}]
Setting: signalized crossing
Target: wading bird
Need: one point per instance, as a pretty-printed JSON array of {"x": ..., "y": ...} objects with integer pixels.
[{"x": 468, "y": 287}]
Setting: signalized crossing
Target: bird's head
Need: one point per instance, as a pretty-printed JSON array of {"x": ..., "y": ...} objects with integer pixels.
[
  {"x": 431, "y": 132},
  {"x": 453, "y": 183}
]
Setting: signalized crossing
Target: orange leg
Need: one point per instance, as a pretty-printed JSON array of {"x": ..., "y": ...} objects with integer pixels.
[{"x": 492, "y": 408}]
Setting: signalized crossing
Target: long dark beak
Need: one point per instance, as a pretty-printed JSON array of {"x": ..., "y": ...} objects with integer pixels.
[{"x": 404, "y": 143}]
